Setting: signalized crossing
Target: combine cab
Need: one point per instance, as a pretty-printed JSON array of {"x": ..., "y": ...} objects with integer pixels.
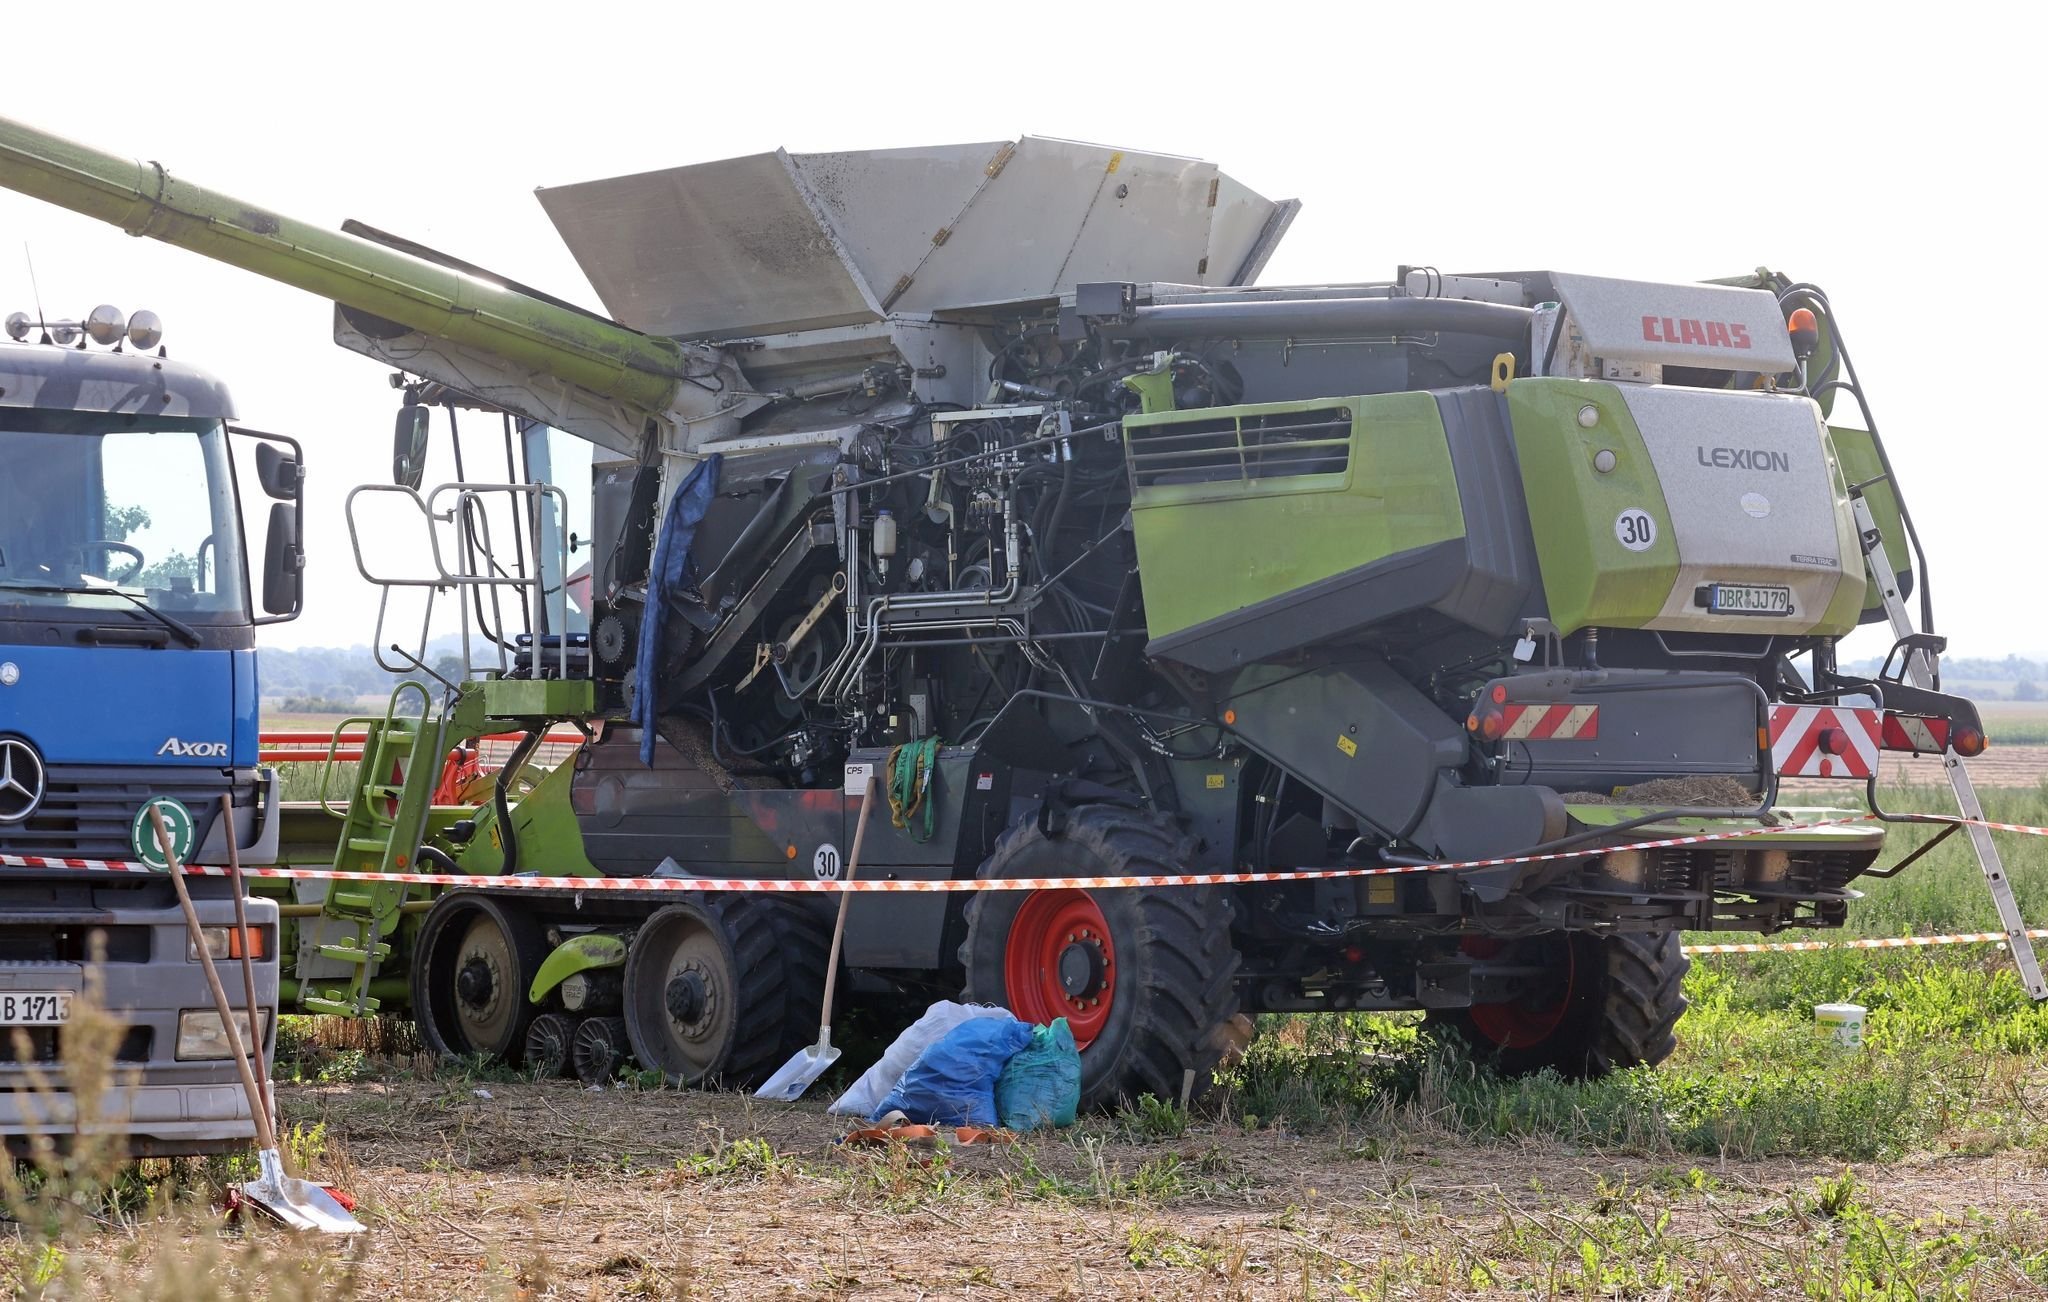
[{"x": 987, "y": 470}]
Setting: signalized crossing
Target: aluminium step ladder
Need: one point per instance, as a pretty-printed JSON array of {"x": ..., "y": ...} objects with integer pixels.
[{"x": 1920, "y": 666}]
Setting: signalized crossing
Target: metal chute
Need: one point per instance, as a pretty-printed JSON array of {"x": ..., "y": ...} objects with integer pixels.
[{"x": 782, "y": 242}]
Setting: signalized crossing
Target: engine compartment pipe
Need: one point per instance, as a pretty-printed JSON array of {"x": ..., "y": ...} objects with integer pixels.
[
  {"x": 144, "y": 199},
  {"x": 1326, "y": 316}
]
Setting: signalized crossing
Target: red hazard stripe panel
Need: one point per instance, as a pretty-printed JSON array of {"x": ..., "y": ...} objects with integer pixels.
[
  {"x": 1551, "y": 722},
  {"x": 1824, "y": 741},
  {"x": 1917, "y": 733}
]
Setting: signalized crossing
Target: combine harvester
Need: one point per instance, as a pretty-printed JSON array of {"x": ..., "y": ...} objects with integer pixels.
[{"x": 985, "y": 470}]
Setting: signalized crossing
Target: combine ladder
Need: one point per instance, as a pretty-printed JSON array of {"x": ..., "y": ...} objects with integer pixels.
[
  {"x": 1920, "y": 668},
  {"x": 380, "y": 833}
]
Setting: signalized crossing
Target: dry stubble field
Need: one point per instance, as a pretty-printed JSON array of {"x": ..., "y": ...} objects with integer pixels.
[
  {"x": 1361, "y": 1163},
  {"x": 550, "y": 1191}
]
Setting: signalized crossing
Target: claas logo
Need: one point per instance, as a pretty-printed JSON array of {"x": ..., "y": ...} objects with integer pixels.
[{"x": 1690, "y": 330}]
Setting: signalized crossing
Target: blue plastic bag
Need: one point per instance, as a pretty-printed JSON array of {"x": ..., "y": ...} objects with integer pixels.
[
  {"x": 953, "y": 1082},
  {"x": 1041, "y": 1084}
]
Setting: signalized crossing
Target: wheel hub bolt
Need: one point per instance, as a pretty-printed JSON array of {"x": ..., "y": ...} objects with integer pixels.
[
  {"x": 473, "y": 983},
  {"x": 1080, "y": 968},
  {"x": 685, "y": 997}
]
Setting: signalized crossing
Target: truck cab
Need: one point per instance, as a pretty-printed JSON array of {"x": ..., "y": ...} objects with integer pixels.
[{"x": 128, "y": 679}]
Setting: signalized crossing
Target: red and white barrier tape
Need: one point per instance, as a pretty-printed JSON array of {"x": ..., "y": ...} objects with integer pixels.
[
  {"x": 1875, "y": 942},
  {"x": 833, "y": 886}
]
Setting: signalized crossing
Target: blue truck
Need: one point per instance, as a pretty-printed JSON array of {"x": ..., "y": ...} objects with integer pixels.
[{"x": 128, "y": 678}]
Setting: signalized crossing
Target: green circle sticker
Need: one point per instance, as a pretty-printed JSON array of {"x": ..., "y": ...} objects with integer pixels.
[{"x": 177, "y": 822}]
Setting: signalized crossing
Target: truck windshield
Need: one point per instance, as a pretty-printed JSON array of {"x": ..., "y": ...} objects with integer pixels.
[{"x": 92, "y": 501}]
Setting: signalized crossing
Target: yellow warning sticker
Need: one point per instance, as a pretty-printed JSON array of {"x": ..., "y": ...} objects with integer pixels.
[
  {"x": 1215, "y": 782},
  {"x": 1345, "y": 744},
  {"x": 1380, "y": 890}
]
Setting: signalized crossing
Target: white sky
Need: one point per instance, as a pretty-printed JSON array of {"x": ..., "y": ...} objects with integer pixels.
[{"x": 1893, "y": 162}]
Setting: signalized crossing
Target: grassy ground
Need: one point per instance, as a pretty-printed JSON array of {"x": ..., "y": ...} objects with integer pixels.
[
  {"x": 1345, "y": 1157},
  {"x": 302, "y": 781}
]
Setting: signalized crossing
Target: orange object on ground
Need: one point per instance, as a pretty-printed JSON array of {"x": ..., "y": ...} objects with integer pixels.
[
  {"x": 983, "y": 1135},
  {"x": 874, "y": 1136}
]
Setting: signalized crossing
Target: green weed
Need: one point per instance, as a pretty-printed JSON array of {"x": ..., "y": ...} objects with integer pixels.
[
  {"x": 1151, "y": 1118},
  {"x": 749, "y": 1158}
]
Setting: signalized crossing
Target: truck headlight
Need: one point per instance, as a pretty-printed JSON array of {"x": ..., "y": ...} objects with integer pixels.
[
  {"x": 202, "y": 1037},
  {"x": 229, "y": 942}
]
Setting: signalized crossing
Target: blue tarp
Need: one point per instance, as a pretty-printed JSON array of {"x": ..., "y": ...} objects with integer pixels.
[{"x": 669, "y": 576}]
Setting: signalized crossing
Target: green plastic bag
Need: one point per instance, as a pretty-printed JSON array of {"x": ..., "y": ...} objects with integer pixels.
[{"x": 1041, "y": 1084}]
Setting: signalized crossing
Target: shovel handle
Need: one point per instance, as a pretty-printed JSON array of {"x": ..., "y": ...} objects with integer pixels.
[
  {"x": 860, "y": 833},
  {"x": 227, "y": 813},
  {"x": 265, "y": 1136}
]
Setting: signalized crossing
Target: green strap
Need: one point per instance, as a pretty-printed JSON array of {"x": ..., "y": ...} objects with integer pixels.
[{"x": 909, "y": 773}]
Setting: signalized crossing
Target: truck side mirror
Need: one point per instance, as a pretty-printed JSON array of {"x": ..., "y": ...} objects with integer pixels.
[
  {"x": 284, "y": 564},
  {"x": 278, "y": 471},
  {"x": 409, "y": 446}
]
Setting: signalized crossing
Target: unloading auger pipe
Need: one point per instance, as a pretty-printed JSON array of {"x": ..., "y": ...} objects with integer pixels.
[
  {"x": 144, "y": 199},
  {"x": 1342, "y": 317}
]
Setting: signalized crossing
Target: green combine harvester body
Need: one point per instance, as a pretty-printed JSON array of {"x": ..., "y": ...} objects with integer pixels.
[{"x": 988, "y": 471}]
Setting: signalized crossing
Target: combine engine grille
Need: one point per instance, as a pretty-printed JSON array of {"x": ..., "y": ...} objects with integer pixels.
[{"x": 1239, "y": 449}]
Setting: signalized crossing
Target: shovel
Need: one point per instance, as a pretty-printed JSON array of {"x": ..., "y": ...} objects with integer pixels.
[
  {"x": 796, "y": 1075},
  {"x": 296, "y": 1203}
]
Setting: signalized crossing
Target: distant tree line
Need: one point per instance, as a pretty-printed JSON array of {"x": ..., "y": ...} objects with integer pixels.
[
  {"x": 2029, "y": 678},
  {"x": 333, "y": 676}
]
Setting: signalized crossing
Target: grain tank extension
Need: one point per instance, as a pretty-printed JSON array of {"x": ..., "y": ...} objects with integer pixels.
[{"x": 990, "y": 465}]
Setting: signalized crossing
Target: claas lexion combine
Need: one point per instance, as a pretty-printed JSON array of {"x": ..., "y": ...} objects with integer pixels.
[{"x": 988, "y": 471}]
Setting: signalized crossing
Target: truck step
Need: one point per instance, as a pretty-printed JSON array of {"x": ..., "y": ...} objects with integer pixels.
[
  {"x": 369, "y": 844},
  {"x": 347, "y": 903},
  {"x": 355, "y": 954},
  {"x": 337, "y": 1004}
]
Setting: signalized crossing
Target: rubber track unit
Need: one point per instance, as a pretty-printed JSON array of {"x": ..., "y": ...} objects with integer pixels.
[
  {"x": 547, "y": 1045},
  {"x": 1177, "y": 983},
  {"x": 598, "y": 1048},
  {"x": 759, "y": 976},
  {"x": 764, "y": 989},
  {"x": 804, "y": 935},
  {"x": 433, "y": 971}
]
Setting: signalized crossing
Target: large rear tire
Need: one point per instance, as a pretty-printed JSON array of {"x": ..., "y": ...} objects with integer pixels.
[
  {"x": 473, "y": 963},
  {"x": 1145, "y": 976},
  {"x": 705, "y": 992},
  {"x": 1615, "y": 1004}
]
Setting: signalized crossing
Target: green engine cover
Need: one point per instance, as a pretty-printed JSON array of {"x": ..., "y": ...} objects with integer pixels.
[
  {"x": 1589, "y": 577},
  {"x": 1233, "y": 505}
]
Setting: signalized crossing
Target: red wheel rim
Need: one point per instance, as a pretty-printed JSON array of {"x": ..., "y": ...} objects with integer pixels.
[
  {"x": 1524, "y": 1023},
  {"x": 1059, "y": 962}
]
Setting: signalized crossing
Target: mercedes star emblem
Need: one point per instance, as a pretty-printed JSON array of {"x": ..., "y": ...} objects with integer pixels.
[{"x": 21, "y": 780}]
